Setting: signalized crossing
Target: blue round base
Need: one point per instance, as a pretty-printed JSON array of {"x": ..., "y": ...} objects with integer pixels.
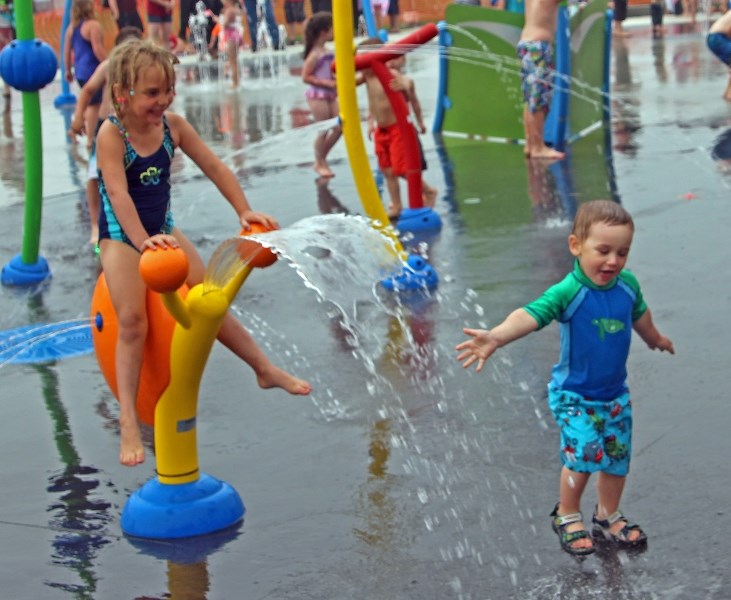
[
  {"x": 16, "y": 272},
  {"x": 66, "y": 99},
  {"x": 417, "y": 275},
  {"x": 163, "y": 511},
  {"x": 419, "y": 219}
]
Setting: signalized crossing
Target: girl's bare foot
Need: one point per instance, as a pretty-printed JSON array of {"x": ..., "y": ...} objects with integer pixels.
[
  {"x": 276, "y": 377},
  {"x": 131, "y": 450}
]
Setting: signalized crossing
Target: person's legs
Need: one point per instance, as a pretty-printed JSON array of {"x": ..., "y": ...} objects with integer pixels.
[
  {"x": 91, "y": 118},
  {"x": 571, "y": 489},
  {"x": 320, "y": 108},
  {"x": 93, "y": 202},
  {"x": 156, "y": 33},
  {"x": 429, "y": 194},
  {"x": 236, "y": 338},
  {"x": 232, "y": 52},
  {"x": 127, "y": 292},
  {"x": 272, "y": 24},
  {"x": 251, "y": 19},
  {"x": 394, "y": 193},
  {"x": 620, "y": 14},
  {"x": 727, "y": 93}
]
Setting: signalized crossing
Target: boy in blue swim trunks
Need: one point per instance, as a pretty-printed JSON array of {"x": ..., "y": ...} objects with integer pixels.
[
  {"x": 535, "y": 50},
  {"x": 597, "y": 306},
  {"x": 719, "y": 42}
]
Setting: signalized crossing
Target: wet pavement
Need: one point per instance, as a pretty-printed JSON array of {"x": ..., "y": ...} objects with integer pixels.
[{"x": 402, "y": 476}]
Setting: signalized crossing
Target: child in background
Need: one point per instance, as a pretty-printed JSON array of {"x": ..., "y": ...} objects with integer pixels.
[
  {"x": 294, "y": 16},
  {"x": 96, "y": 83},
  {"x": 321, "y": 92},
  {"x": 135, "y": 148},
  {"x": 230, "y": 37},
  {"x": 404, "y": 84},
  {"x": 84, "y": 42},
  {"x": 160, "y": 21},
  {"x": 535, "y": 51},
  {"x": 597, "y": 305},
  {"x": 719, "y": 42},
  {"x": 386, "y": 134},
  {"x": 657, "y": 10}
]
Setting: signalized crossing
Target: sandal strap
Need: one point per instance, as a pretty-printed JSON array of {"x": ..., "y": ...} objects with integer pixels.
[
  {"x": 610, "y": 520},
  {"x": 570, "y": 537},
  {"x": 564, "y": 520}
]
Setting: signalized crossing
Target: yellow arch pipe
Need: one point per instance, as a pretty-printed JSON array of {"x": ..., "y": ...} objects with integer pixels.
[
  {"x": 350, "y": 120},
  {"x": 199, "y": 319}
]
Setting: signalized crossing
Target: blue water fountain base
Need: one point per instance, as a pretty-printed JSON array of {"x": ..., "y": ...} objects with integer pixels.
[
  {"x": 416, "y": 275},
  {"x": 164, "y": 511},
  {"x": 64, "y": 99},
  {"x": 16, "y": 272},
  {"x": 419, "y": 219}
]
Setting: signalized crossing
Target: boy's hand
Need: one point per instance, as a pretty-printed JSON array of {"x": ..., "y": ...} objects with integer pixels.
[
  {"x": 664, "y": 345},
  {"x": 398, "y": 84},
  {"x": 479, "y": 348}
]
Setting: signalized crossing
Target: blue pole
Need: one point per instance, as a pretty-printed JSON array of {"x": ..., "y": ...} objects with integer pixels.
[{"x": 65, "y": 97}]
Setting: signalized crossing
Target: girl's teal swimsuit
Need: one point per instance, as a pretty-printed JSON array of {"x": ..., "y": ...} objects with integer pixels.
[
  {"x": 148, "y": 182},
  {"x": 588, "y": 392}
]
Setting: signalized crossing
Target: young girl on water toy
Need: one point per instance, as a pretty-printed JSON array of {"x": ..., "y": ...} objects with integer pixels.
[
  {"x": 135, "y": 147},
  {"x": 321, "y": 93},
  {"x": 598, "y": 305}
]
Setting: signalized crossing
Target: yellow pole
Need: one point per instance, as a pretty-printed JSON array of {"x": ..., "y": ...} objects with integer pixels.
[
  {"x": 350, "y": 118},
  {"x": 199, "y": 319}
]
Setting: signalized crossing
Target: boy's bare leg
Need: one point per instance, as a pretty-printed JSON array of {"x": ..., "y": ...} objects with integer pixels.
[
  {"x": 429, "y": 194},
  {"x": 571, "y": 489},
  {"x": 609, "y": 490},
  {"x": 535, "y": 146},
  {"x": 727, "y": 93},
  {"x": 394, "y": 193}
]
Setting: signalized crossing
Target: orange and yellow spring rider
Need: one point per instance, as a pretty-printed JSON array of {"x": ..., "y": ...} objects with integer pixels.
[{"x": 183, "y": 324}]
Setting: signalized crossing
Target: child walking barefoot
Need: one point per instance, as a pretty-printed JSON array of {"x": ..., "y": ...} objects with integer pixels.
[
  {"x": 321, "y": 93},
  {"x": 535, "y": 50},
  {"x": 598, "y": 305},
  {"x": 134, "y": 152},
  {"x": 231, "y": 36}
]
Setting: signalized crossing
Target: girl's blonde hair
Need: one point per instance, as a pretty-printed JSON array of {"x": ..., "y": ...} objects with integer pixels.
[
  {"x": 127, "y": 61},
  {"x": 82, "y": 10},
  {"x": 599, "y": 211}
]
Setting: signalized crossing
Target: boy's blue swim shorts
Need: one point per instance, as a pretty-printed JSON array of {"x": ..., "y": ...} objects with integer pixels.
[{"x": 596, "y": 435}]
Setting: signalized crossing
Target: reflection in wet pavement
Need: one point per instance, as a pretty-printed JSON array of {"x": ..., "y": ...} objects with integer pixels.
[{"x": 403, "y": 476}]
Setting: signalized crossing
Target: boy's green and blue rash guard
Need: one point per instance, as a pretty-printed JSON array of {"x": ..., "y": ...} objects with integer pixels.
[{"x": 596, "y": 329}]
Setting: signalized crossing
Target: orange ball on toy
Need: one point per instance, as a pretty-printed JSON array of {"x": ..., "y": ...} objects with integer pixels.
[
  {"x": 254, "y": 253},
  {"x": 164, "y": 269}
]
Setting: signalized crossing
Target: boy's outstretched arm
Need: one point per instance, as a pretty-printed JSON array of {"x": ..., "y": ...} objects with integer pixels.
[
  {"x": 651, "y": 336},
  {"x": 483, "y": 344}
]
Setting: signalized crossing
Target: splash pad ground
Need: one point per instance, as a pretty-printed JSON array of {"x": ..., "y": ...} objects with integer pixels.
[{"x": 402, "y": 476}]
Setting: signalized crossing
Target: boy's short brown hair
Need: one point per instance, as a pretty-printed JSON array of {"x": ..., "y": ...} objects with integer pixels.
[{"x": 599, "y": 211}]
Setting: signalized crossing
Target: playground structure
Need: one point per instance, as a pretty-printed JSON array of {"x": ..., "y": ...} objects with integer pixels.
[
  {"x": 479, "y": 45},
  {"x": 27, "y": 64},
  {"x": 180, "y": 501}
]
